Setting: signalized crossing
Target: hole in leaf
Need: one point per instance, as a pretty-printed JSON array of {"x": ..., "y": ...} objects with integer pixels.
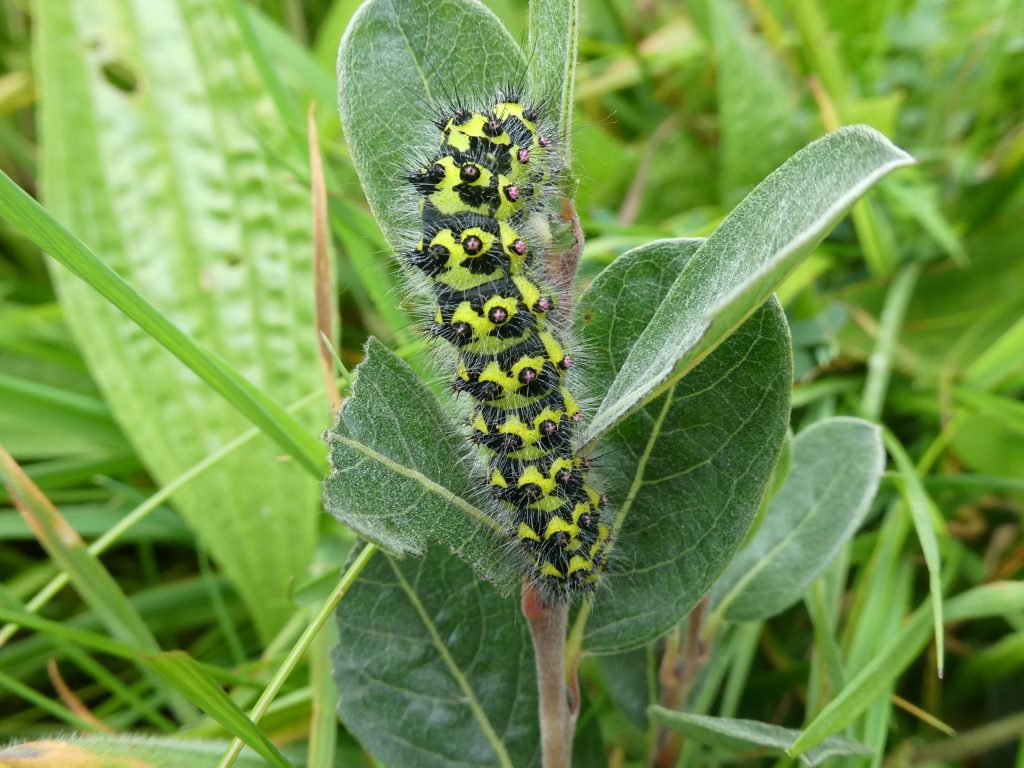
[{"x": 120, "y": 75}]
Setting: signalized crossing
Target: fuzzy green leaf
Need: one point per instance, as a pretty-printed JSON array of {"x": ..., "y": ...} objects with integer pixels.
[
  {"x": 686, "y": 473},
  {"x": 399, "y": 61},
  {"x": 742, "y": 262},
  {"x": 837, "y": 464},
  {"x": 401, "y": 474},
  {"x": 751, "y": 737},
  {"x": 435, "y": 668}
]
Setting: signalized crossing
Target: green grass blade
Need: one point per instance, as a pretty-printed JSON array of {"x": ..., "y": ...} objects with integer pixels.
[
  {"x": 997, "y": 599},
  {"x": 90, "y": 579},
  {"x": 181, "y": 670},
  {"x": 921, "y": 509},
  {"x": 301, "y": 645},
  {"x": 36, "y": 223}
]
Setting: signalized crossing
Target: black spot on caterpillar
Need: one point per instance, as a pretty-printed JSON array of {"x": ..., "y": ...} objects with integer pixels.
[{"x": 478, "y": 192}]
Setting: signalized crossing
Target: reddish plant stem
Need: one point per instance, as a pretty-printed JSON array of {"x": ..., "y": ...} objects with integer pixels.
[
  {"x": 677, "y": 674},
  {"x": 558, "y": 693}
]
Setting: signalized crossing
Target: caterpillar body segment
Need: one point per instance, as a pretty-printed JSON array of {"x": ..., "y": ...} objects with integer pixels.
[{"x": 481, "y": 195}]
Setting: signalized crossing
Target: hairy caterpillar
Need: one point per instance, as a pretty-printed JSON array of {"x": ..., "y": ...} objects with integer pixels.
[{"x": 481, "y": 194}]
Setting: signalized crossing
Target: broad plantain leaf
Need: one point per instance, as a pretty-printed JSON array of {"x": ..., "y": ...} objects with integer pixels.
[
  {"x": 686, "y": 473},
  {"x": 739, "y": 265},
  {"x": 164, "y": 153},
  {"x": 401, "y": 473},
  {"x": 837, "y": 464},
  {"x": 434, "y": 668}
]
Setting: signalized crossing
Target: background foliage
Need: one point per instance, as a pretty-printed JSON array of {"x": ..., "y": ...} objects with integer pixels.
[{"x": 171, "y": 138}]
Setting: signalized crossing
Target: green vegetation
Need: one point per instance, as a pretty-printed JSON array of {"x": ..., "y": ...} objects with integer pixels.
[{"x": 823, "y": 572}]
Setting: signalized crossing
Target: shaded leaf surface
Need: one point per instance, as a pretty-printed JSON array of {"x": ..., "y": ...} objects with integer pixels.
[
  {"x": 687, "y": 471},
  {"x": 401, "y": 471},
  {"x": 739, "y": 265},
  {"x": 837, "y": 464},
  {"x": 435, "y": 668},
  {"x": 746, "y": 736}
]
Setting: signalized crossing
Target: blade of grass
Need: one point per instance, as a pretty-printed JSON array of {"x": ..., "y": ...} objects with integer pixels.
[
  {"x": 995, "y": 599},
  {"x": 45, "y": 704},
  {"x": 921, "y": 510},
  {"x": 323, "y": 724},
  {"x": 300, "y": 647},
  {"x": 33, "y": 221},
  {"x": 87, "y": 575},
  {"x": 180, "y": 669},
  {"x": 139, "y": 513},
  {"x": 890, "y": 324}
]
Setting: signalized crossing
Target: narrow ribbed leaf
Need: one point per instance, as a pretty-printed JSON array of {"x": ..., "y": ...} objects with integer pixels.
[{"x": 181, "y": 175}]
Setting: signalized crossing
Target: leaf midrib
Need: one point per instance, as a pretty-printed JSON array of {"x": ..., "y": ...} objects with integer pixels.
[{"x": 460, "y": 679}]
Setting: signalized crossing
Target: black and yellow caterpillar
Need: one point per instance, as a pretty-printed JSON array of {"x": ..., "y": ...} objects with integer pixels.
[{"x": 482, "y": 193}]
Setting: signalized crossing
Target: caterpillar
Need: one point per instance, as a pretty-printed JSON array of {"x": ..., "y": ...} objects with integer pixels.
[{"x": 481, "y": 196}]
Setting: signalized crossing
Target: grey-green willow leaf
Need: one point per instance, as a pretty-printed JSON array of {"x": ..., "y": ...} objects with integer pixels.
[
  {"x": 164, "y": 154},
  {"x": 401, "y": 471},
  {"x": 745, "y": 736},
  {"x": 836, "y": 466},
  {"x": 739, "y": 265},
  {"x": 685, "y": 474},
  {"x": 399, "y": 62},
  {"x": 434, "y": 668}
]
